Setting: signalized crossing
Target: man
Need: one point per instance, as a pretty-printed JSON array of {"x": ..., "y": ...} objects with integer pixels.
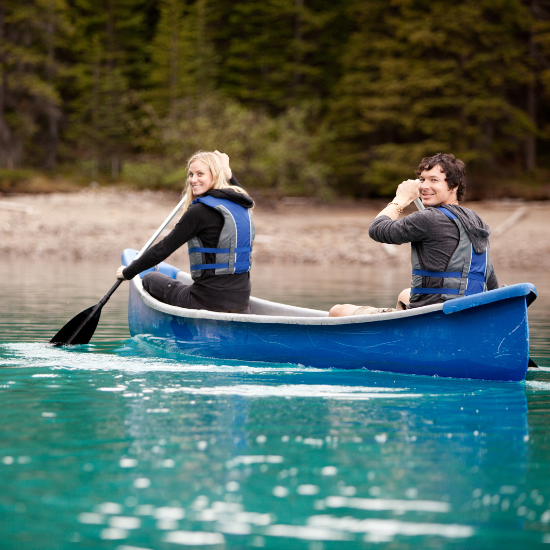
[{"x": 449, "y": 243}]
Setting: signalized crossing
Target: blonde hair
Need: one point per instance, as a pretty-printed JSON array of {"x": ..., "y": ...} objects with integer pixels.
[{"x": 218, "y": 177}]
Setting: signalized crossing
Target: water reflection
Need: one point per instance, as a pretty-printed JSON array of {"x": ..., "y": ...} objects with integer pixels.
[
  {"x": 120, "y": 444},
  {"x": 261, "y": 454}
]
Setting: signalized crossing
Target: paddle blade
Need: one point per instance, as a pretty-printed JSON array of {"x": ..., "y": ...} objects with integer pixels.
[
  {"x": 85, "y": 333},
  {"x": 532, "y": 364}
]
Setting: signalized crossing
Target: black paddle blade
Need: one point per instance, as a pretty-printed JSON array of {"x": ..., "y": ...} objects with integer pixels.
[
  {"x": 532, "y": 364},
  {"x": 85, "y": 333}
]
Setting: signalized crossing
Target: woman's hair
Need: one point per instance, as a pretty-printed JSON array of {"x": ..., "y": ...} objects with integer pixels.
[
  {"x": 218, "y": 178},
  {"x": 453, "y": 168}
]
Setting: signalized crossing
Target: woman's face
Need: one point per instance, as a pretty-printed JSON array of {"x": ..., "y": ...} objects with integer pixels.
[{"x": 200, "y": 177}]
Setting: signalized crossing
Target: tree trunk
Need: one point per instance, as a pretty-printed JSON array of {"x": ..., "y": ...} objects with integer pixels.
[
  {"x": 174, "y": 61},
  {"x": 201, "y": 47},
  {"x": 114, "y": 167},
  {"x": 531, "y": 143},
  {"x": 95, "y": 121},
  {"x": 52, "y": 111},
  {"x": 5, "y": 131},
  {"x": 297, "y": 80}
]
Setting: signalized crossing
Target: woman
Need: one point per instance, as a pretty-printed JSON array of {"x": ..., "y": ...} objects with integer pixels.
[{"x": 217, "y": 225}]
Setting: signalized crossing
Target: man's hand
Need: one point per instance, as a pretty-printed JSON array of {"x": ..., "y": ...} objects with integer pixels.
[
  {"x": 407, "y": 192},
  {"x": 224, "y": 159},
  {"x": 119, "y": 274}
]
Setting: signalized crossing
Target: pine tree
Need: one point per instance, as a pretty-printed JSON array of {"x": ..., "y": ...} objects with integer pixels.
[
  {"x": 176, "y": 51},
  {"x": 30, "y": 31},
  {"x": 427, "y": 76},
  {"x": 275, "y": 53},
  {"x": 107, "y": 55}
]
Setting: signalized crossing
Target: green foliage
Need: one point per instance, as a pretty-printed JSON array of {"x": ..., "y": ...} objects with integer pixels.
[
  {"x": 435, "y": 76},
  {"x": 306, "y": 96},
  {"x": 266, "y": 151},
  {"x": 29, "y": 96}
]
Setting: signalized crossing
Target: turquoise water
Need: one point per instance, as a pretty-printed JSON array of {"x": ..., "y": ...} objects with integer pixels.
[{"x": 121, "y": 445}]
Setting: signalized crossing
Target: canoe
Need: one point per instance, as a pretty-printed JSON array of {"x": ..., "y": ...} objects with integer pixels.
[{"x": 481, "y": 337}]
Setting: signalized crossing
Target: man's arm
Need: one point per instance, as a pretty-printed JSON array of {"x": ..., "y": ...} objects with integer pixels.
[
  {"x": 492, "y": 281},
  {"x": 415, "y": 227}
]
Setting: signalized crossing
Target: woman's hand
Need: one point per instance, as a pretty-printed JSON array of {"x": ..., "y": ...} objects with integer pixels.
[
  {"x": 119, "y": 274},
  {"x": 224, "y": 159},
  {"x": 408, "y": 191}
]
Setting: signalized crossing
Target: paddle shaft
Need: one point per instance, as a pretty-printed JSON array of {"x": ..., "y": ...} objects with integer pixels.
[
  {"x": 418, "y": 204},
  {"x": 105, "y": 298},
  {"x": 160, "y": 229}
]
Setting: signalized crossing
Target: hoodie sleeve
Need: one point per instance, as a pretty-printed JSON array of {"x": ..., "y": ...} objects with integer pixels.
[
  {"x": 492, "y": 281},
  {"x": 412, "y": 228}
]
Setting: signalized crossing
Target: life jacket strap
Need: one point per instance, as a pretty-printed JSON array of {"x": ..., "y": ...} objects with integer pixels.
[
  {"x": 236, "y": 265},
  {"x": 443, "y": 274},
  {"x": 425, "y": 273},
  {"x": 220, "y": 250},
  {"x": 435, "y": 290}
]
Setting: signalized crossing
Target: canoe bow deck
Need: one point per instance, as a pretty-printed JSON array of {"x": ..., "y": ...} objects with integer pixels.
[{"x": 484, "y": 337}]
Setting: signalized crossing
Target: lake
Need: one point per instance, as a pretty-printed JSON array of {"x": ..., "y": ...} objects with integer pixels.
[{"x": 122, "y": 445}]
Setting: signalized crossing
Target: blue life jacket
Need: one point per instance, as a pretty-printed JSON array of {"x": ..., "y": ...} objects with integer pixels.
[
  {"x": 235, "y": 242},
  {"x": 467, "y": 272}
]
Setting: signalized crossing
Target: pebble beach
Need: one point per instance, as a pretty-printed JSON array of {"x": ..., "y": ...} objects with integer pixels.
[{"x": 97, "y": 224}]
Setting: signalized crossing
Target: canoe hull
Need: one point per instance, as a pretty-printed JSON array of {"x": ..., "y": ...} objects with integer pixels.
[{"x": 486, "y": 342}]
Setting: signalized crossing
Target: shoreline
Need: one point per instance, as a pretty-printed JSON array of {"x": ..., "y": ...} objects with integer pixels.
[{"x": 97, "y": 224}]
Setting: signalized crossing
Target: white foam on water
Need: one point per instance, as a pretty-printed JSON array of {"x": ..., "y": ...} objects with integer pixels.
[
  {"x": 46, "y": 356},
  {"x": 125, "y": 522},
  {"x": 326, "y": 391},
  {"x": 390, "y": 527},
  {"x": 387, "y": 504},
  {"x": 538, "y": 385},
  {"x": 306, "y": 533},
  {"x": 173, "y": 513},
  {"x": 194, "y": 538}
]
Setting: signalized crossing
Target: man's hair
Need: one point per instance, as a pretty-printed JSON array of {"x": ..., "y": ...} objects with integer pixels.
[{"x": 453, "y": 168}]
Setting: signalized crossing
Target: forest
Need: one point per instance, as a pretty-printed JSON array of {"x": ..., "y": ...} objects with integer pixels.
[{"x": 308, "y": 97}]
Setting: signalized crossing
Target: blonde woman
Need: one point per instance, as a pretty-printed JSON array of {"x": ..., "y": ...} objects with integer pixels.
[{"x": 217, "y": 225}]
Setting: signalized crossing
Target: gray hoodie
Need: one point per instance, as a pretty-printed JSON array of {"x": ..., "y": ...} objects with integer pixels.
[{"x": 436, "y": 238}]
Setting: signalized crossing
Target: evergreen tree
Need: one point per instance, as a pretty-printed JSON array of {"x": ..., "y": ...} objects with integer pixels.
[
  {"x": 182, "y": 57},
  {"x": 276, "y": 53},
  {"x": 30, "y": 31},
  {"x": 427, "y": 76},
  {"x": 107, "y": 61}
]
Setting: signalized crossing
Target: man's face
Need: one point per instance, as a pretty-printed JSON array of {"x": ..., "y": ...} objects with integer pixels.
[{"x": 434, "y": 189}]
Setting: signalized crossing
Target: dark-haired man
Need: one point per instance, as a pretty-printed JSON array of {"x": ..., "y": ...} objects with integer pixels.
[{"x": 449, "y": 243}]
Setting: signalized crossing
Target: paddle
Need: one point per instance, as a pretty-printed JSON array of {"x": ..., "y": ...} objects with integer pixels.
[{"x": 81, "y": 328}]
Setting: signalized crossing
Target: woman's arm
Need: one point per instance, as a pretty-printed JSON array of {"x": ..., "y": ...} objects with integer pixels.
[{"x": 189, "y": 225}]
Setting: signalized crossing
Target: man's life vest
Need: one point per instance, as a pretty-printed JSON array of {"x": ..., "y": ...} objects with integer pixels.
[
  {"x": 235, "y": 242},
  {"x": 467, "y": 272}
]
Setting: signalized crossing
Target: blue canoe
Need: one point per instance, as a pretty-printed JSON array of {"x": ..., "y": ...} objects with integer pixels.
[{"x": 483, "y": 337}]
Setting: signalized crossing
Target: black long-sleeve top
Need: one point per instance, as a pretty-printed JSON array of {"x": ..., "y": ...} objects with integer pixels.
[{"x": 213, "y": 292}]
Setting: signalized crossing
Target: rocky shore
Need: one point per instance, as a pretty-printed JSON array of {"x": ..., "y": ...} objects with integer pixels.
[{"x": 97, "y": 224}]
